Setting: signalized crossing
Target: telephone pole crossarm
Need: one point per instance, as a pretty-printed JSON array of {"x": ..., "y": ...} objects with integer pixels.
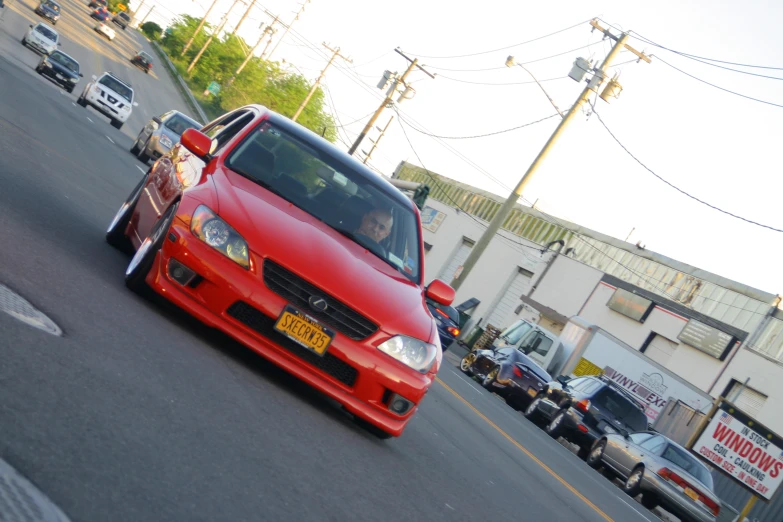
[{"x": 608, "y": 34}]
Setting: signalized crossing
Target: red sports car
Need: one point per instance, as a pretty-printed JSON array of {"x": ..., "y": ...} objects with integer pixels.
[{"x": 264, "y": 230}]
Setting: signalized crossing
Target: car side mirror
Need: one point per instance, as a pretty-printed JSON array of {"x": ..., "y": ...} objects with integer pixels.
[
  {"x": 562, "y": 379},
  {"x": 625, "y": 434},
  {"x": 81, "y": 75},
  {"x": 94, "y": 77},
  {"x": 157, "y": 119},
  {"x": 440, "y": 292},
  {"x": 196, "y": 142}
]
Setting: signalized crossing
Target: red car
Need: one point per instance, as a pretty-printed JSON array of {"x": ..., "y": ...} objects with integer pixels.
[{"x": 264, "y": 230}]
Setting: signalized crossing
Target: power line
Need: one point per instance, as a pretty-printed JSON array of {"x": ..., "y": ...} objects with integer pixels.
[
  {"x": 503, "y": 48},
  {"x": 500, "y": 84},
  {"x": 479, "y": 135},
  {"x": 504, "y": 67},
  {"x": 648, "y": 169},
  {"x": 719, "y": 87}
]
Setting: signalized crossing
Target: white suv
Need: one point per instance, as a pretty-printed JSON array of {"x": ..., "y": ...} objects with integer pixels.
[{"x": 111, "y": 96}]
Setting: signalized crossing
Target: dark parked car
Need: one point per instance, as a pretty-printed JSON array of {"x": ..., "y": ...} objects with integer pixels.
[
  {"x": 122, "y": 19},
  {"x": 584, "y": 409},
  {"x": 508, "y": 372},
  {"x": 447, "y": 319},
  {"x": 60, "y": 68},
  {"x": 142, "y": 60},
  {"x": 661, "y": 470},
  {"x": 94, "y": 4},
  {"x": 50, "y": 10},
  {"x": 101, "y": 13}
]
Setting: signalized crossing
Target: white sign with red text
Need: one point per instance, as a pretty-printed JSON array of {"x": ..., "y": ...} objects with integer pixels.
[{"x": 741, "y": 452}]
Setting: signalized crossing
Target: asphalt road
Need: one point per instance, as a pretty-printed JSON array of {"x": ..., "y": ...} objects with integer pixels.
[{"x": 139, "y": 413}]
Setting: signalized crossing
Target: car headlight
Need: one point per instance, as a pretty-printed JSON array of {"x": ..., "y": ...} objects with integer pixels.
[
  {"x": 411, "y": 352},
  {"x": 73, "y": 80},
  {"x": 218, "y": 234},
  {"x": 126, "y": 108},
  {"x": 165, "y": 141}
]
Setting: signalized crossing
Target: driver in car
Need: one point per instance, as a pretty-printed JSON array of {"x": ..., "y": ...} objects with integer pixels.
[{"x": 376, "y": 225}]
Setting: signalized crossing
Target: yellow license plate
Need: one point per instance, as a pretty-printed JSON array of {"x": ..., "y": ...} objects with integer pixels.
[
  {"x": 691, "y": 493},
  {"x": 304, "y": 330},
  {"x": 532, "y": 392}
]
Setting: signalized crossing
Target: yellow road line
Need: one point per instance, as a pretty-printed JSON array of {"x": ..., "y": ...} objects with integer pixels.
[{"x": 526, "y": 452}]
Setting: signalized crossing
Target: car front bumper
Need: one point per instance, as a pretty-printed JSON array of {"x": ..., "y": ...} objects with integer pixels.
[
  {"x": 224, "y": 283},
  {"x": 97, "y": 102},
  {"x": 53, "y": 75},
  {"x": 39, "y": 47},
  {"x": 155, "y": 149},
  {"x": 674, "y": 500}
]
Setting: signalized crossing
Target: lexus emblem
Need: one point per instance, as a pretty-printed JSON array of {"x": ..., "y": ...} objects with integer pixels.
[{"x": 318, "y": 303}]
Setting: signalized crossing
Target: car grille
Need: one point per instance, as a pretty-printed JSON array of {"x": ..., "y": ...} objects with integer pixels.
[
  {"x": 297, "y": 291},
  {"x": 111, "y": 99},
  {"x": 263, "y": 324}
]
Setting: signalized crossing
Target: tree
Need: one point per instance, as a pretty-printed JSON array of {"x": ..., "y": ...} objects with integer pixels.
[{"x": 152, "y": 30}]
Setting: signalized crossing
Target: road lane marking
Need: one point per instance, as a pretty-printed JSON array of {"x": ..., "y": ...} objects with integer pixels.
[
  {"x": 88, "y": 119},
  {"x": 141, "y": 169},
  {"x": 468, "y": 382},
  {"x": 527, "y": 452},
  {"x": 73, "y": 104},
  {"x": 108, "y": 138}
]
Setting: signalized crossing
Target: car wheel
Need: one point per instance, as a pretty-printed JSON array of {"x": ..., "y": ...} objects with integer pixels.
[
  {"x": 135, "y": 148},
  {"x": 633, "y": 484},
  {"x": 555, "y": 426},
  {"x": 24, "y": 41},
  {"x": 467, "y": 362},
  {"x": 81, "y": 101},
  {"x": 491, "y": 377},
  {"x": 649, "y": 501},
  {"x": 115, "y": 235},
  {"x": 583, "y": 452},
  {"x": 531, "y": 412},
  {"x": 117, "y": 124},
  {"x": 596, "y": 454},
  {"x": 70, "y": 90},
  {"x": 141, "y": 262},
  {"x": 142, "y": 155}
]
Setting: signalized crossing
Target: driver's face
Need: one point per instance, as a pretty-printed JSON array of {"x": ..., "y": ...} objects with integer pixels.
[{"x": 376, "y": 225}]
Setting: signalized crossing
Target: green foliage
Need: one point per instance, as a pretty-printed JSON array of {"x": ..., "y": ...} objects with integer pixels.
[
  {"x": 152, "y": 30},
  {"x": 260, "y": 82}
]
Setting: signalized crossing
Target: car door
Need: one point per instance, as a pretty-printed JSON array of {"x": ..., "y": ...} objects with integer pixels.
[
  {"x": 617, "y": 447},
  {"x": 152, "y": 126},
  {"x": 635, "y": 453}
]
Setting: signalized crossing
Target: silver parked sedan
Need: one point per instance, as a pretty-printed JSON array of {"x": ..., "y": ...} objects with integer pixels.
[
  {"x": 664, "y": 472},
  {"x": 160, "y": 134}
]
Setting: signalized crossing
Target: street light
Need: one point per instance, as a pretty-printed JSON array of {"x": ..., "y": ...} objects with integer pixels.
[{"x": 510, "y": 62}]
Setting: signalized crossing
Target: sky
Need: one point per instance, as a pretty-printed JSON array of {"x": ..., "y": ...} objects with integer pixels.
[{"x": 717, "y": 146}]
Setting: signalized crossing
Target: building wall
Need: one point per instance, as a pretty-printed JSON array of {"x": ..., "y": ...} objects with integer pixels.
[
  {"x": 567, "y": 286},
  {"x": 766, "y": 377}
]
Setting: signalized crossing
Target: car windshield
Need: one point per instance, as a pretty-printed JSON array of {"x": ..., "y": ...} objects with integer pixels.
[
  {"x": 514, "y": 333},
  {"x": 145, "y": 56},
  {"x": 117, "y": 86},
  {"x": 623, "y": 409},
  {"x": 124, "y": 16},
  {"x": 46, "y": 32},
  {"x": 54, "y": 7},
  {"x": 66, "y": 61},
  {"x": 357, "y": 207},
  {"x": 179, "y": 124},
  {"x": 683, "y": 460}
]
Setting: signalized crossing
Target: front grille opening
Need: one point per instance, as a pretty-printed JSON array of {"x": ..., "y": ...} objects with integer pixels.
[
  {"x": 263, "y": 324},
  {"x": 298, "y": 292}
]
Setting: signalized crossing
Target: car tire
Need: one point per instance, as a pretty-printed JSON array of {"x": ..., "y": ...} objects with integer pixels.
[
  {"x": 142, "y": 261},
  {"x": 531, "y": 412},
  {"x": 115, "y": 235},
  {"x": 595, "y": 455},
  {"x": 117, "y": 124},
  {"x": 142, "y": 154},
  {"x": 467, "y": 363},
  {"x": 633, "y": 484},
  {"x": 555, "y": 426},
  {"x": 70, "y": 90},
  {"x": 81, "y": 101},
  {"x": 491, "y": 377},
  {"x": 135, "y": 147},
  {"x": 24, "y": 41},
  {"x": 583, "y": 452},
  {"x": 650, "y": 501}
]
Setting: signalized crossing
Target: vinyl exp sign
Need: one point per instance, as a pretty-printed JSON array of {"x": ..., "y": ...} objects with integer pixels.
[{"x": 743, "y": 449}]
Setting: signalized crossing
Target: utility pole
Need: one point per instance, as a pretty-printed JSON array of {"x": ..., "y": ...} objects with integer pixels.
[
  {"x": 270, "y": 31},
  {"x": 335, "y": 54},
  {"x": 200, "y": 25},
  {"x": 211, "y": 36},
  {"x": 288, "y": 28},
  {"x": 147, "y": 15},
  {"x": 368, "y": 155},
  {"x": 593, "y": 85},
  {"x": 247, "y": 12},
  {"x": 388, "y": 101}
]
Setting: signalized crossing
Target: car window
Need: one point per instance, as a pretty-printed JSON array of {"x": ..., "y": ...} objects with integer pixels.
[
  {"x": 46, "y": 32},
  {"x": 146, "y": 56},
  {"x": 589, "y": 387},
  {"x": 117, "y": 86},
  {"x": 576, "y": 384},
  {"x": 54, "y": 7},
  {"x": 124, "y": 16},
  {"x": 179, "y": 124},
  {"x": 514, "y": 333},
  {"x": 222, "y": 130},
  {"x": 688, "y": 463},
  {"x": 544, "y": 343},
  {"x": 622, "y": 408},
  {"x": 348, "y": 200},
  {"x": 654, "y": 444},
  {"x": 638, "y": 438},
  {"x": 66, "y": 61}
]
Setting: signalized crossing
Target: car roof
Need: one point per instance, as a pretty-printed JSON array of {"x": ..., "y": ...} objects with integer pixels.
[
  {"x": 178, "y": 113},
  {"x": 622, "y": 391},
  {"x": 316, "y": 141}
]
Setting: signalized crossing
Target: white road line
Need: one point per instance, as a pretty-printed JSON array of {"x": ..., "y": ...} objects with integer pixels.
[
  {"x": 464, "y": 379},
  {"x": 141, "y": 169},
  {"x": 73, "y": 104},
  {"x": 451, "y": 508},
  {"x": 88, "y": 119},
  {"x": 108, "y": 138}
]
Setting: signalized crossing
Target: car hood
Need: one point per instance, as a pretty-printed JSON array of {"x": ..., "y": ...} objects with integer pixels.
[
  {"x": 63, "y": 70},
  {"x": 281, "y": 231},
  {"x": 537, "y": 370}
]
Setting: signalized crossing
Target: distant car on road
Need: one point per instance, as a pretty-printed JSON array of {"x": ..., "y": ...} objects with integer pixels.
[
  {"x": 101, "y": 14},
  {"x": 94, "y": 4},
  {"x": 266, "y": 231},
  {"x": 105, "y": 30},
  {"x": 661, "y": 470},
  {"x": 50, "y": 10},
  {"x": 447, "y": 320},
  {"x": 41, "y": 38},
  {"x": 111, "y": 96},
  {"x": 160, "y": 134},
  {"x": 143, "y": 61},
  {"x": 60, "y": 68},
  {"x": 122, "y": 19},
  {"x": 508, "y": 372}
]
